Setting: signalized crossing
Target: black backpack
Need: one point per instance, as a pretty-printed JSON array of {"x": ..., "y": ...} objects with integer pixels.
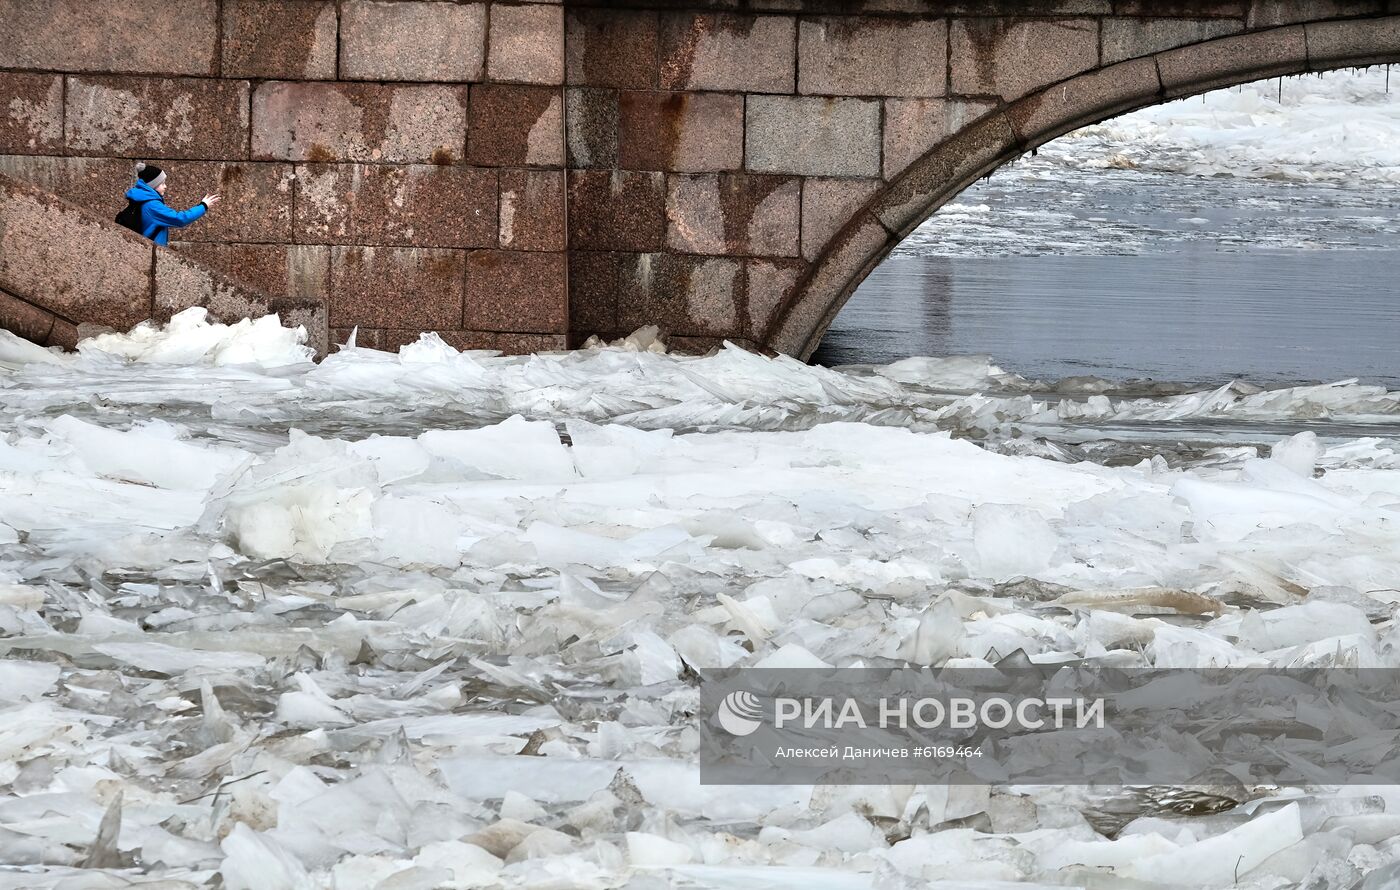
[{"x": 131, "y": 215}]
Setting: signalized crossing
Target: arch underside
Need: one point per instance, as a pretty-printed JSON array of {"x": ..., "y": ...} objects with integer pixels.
[{"x": 1011, "y": 130}]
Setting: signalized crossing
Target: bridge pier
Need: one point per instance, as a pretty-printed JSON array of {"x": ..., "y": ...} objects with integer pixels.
[{"x": 521, "y": 175}]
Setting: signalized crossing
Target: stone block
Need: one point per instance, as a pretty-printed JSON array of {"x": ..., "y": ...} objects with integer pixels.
[
  {"x": 31, "y": 113},
  {"x": 734, "y": 214},
  {"x": 157, "y": 117},
  {"x": 1085, "y": 100},
  {"x": 598, "y": 282},
  {"x": 592, "y": 123},
  {"x": 527, "y": 44},
  {"x": 532, "y": 210},
  {"x": 412, "y": 40},
  {"x": 913, "y": 126},
  {"x": 681, "y": 132},
  {"x": 410, "y": 205},
  {"x": 955, "y": 164},
  {"x": 514, "y": 126},
  {"x": 687, "y": 295},
  {"x": 383, "y": 287},
  {"x": 391, "y": 339},
  {"x": 617, "y": 210},
  {"x": 827, "y": 205},
  {"x": 1271, "y": 13},
  {"x": 869, "y": 56},
  {"x": 1132, "y": 38},
  {"x": 256, "y": 206},
  {"x": 156, "y": 36},
  {"x": 812, "y": 136},
  {"x": 798, "y": 327},
  {"x": 25, "y": 319},
  {"x": 1230, "y": 60},
  {"x": 768, "y": 284},
  {"x": 385, "y": 123},
  {"x": 611, "y": 48},
  {"x": 1359, "y": 42},
  {"x": 1012, "y": 57},
  {"x": 520, "y": 291},
  {"x": 181, "y": 283},
  {"x": 94, "y": 184},
  {"x": 54, "y": 256},
  {"x": 284, "y": 272},
  {"x": 1183, "y": 8},
  {"x": 283, "y": 39},
  {"x": 727, "y": 51}
]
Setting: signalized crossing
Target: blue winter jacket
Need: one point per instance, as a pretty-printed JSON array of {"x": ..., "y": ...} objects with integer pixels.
[{"x": 156, "y": 218}]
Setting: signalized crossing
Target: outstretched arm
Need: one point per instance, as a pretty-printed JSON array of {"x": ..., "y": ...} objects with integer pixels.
[{"x": 176, "y": 219}]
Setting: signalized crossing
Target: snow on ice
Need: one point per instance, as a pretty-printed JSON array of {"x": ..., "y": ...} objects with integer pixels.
[{"x": 438, "y": 635}]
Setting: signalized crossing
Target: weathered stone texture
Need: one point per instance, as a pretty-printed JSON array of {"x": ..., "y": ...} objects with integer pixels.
[
  {"x": 181, "y": 283},
  {"x": 288, "y": 39},
  {"x": 391, "y": 339},
  {"x": 157, "y": 117},
  {"x": 1354, "y": 42},
  {"x": 256, "y": 205},
  {"x": 1093, "y": 97},
  {"x": 1012, "y": 57},
  {"x": 767, "y": 284},
  {"x": 527, "y": 44},
  {"x": 412, "y": 40},
  {"x": 359, "y": 122},
  {"x": 682, "y": 132},
  {"x": 861, "y": 245},
  {"x": 285, "y": 272},
  {"x": 515, "y": 126},
  {"x": 616, "y": 210},
  {"x": 126, "y": 36},
  {"x": 410, "y": 205},
  {"x": 813, "y": 136},
  {"x": 867, "y": 56},
  {"x": 743, "y": 214},
  {"x": 1229, "y": 60},
  {"x": 727, "y": 51},
  {"x": 827, "y": 204},
  {"x": 54, "y": 257},
  {"x": 611, "y": 48},
  {"x": 1269, "y": 13},
  {"x": 954, "y": 165},
  {"x": 25, "y": 319},
  {"x": 532, "y": 210},
  {"x": 511, "y": 290},
  {"x": 913, "y": 126},
  {"x": 399, "y": 287},
  {"x": 592, "y": 127},
  {"x": 598, "y": 282},
  {"x": 31, "y": 113},
  {"x": 1131, "y": 38},
  {"x": 94, "y": 184},
  {"x": 687, "y": 295}
]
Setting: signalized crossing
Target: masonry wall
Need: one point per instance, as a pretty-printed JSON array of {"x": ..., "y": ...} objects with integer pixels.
[{"x": 521, "y": 175}]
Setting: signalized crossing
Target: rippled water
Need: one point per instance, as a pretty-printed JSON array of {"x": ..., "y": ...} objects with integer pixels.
[{"x": 1143, "y": 275}]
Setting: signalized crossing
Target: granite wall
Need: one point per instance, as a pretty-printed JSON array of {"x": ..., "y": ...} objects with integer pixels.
[{"x": 520, "y": 175}]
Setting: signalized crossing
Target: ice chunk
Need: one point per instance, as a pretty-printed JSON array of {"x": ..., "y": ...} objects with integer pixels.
[
  {"x": 515, "y": 448},
  {"x": 1298, "y": 453},
  {"x": 1011, "y": 540},
  {"x": 254, "y": 861},
  {"x": 26, "y": 680},
  {"x": 1219, "y": 861},
  {"x": 652, "y": 850}
]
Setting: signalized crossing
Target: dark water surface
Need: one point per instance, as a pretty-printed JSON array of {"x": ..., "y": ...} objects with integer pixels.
[{"x": 1128, "y": 275}]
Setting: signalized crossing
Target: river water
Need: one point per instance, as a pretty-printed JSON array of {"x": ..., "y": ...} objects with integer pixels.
[
  {"x": 1126, "y": 258},
  {"x": 271, "y": 624}
]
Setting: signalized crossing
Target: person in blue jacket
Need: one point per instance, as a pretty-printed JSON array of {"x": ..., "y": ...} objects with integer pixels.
[{"x": 146, "y": 211}]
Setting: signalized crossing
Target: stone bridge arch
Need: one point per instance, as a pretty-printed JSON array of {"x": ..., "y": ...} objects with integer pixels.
[
  {"x": 524, "y": 174},
  {"x": 1014, "y": 128}
]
